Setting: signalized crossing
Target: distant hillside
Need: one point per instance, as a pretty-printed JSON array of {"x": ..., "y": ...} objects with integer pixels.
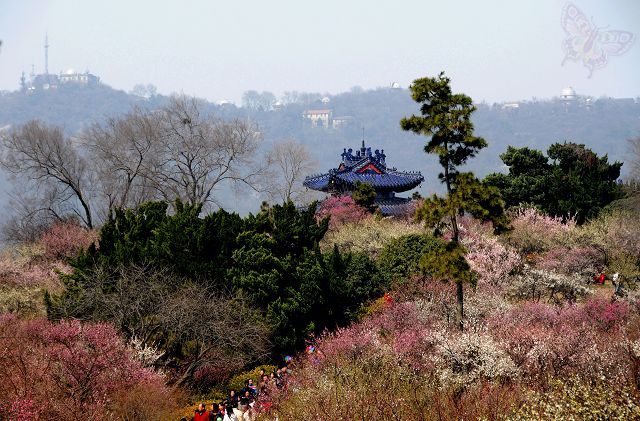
[
  {"x": 602, "y": 124},
  {"x": 72, "y": 107}
]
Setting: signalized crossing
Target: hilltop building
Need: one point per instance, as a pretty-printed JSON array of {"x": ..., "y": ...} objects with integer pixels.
[
  {"x": 320, "y": 117},
  {"x": 568, "y": 94},
  {"x": 323, "y": 117},
  {"x": 514, "y": 105},
  {"x": 370, "y": 168},
  {"x": 86, "y": 78},
  {"x": 47, "y": 81}
]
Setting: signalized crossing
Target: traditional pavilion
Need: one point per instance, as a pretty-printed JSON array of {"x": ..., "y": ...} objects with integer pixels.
[{"x": 370, "y": 168}]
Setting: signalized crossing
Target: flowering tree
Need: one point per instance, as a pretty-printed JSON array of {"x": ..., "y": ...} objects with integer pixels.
[
  {"x": 546, "y": 341},
  {"x": 65, "y": 239},
  {"x": 581, "y": 260},
  {"x": 394, "y": 365},
  {"x": 471, "y": 357},
  {"x": 490, "y": 259},
  {"x": 534, "y": 231},
  {"x": 66, "y": 370},
  {"x": 341, "y": 210}
]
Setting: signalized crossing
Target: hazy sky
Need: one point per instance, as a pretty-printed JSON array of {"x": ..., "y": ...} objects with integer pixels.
[{"x": 493, "y": 50}]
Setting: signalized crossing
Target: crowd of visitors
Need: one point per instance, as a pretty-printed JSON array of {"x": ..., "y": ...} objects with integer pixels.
[{"x": 243, "y": 404}]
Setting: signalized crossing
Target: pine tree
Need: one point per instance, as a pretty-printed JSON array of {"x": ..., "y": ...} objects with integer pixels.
[{"x": 446, "y": 120}]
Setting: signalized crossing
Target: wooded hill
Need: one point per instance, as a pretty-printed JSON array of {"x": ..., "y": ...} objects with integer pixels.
[{"x": 602, "y": 124}]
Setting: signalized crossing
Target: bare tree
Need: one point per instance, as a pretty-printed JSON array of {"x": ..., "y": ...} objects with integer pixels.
[
  {"x": 255, "y": 101},
  {"x": 177, "y": 152},
  {"x": 122, "y": 149},
  {"x": 290, "y": 163},
  {"x": 151, "y": 304},
  {"x": 145, "y": 91},
  {"x": 49, "y": 163},
  {"x": 28, "y": 221},
  {"x": 199, "y": 152},
  {"x": 224, "y": 329}
]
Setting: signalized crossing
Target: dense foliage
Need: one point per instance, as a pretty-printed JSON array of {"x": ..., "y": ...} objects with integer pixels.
[
  {"x": 218, "y": 287},
  {"x": 164, "y": 295},
  {"x": 537, "y": 332},
  {"x": 364, "y": 195},
  {"x": 400, "y": 258},
  {"x": 576, "y": 183}
]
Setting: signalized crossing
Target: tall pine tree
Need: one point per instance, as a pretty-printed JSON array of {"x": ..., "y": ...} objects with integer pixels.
[{"x": 446, "y": 120}]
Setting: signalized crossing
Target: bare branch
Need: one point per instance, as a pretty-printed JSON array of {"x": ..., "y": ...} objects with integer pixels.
[
  {"x": 290, "y": 162},
  {"x": 42, "y": 154},
  {"x": 200, "y": 152}
]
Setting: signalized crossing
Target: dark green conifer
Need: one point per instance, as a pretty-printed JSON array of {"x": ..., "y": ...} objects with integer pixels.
[{"x": 446, "y": 120}]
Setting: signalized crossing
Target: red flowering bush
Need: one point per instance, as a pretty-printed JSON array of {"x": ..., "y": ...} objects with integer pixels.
[
  {"x": 397, "y": 364},
  {"x": 65, "y": 239},
  {"x": 341, "y": 210},
  {"x": 72, "y": 370},
  {"x": 402, "y": 362},
  {"x": 606, "y": 315},
  {"x": 574, "y": 260},
  {"x": 547, "y": 341}
]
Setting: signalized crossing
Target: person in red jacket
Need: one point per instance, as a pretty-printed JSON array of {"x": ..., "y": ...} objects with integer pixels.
[
  {"x": 599, "y": 279},
  {"x": 201, "y": 414}
]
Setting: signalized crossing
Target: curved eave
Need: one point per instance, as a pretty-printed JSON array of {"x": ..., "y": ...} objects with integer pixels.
[
  {"x": 391, "y": 181},
  {"x": 395, "y": 207},
  {"x": 386, "y": 182},
  {"x": 319, "y": 182}
]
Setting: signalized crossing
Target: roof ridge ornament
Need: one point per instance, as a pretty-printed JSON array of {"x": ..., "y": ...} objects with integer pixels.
[{"x": 368, "y": 166}]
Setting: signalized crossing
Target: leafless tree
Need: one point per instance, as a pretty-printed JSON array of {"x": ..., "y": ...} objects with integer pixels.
[
  {"x": 199, "y": 152},
  {"x": 122, "y": 150},
  {"x": 152, "y": 304},
  {"x": 145, "y": 91},
  {"x": 224, "y": 329},
  {"x": 47, "y": 162},
  {"x": 290, "y": 162},
  {"x": 256, "y": 101},
  {"x": 128, "y": 297},
  {"x": 28, "y": 220},
  {"x": 177, "y": 152}
]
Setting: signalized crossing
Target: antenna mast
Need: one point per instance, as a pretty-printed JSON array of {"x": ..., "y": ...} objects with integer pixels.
[{"x": 46, "y": 54}]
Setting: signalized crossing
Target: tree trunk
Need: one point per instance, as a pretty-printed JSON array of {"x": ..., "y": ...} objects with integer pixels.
[
  {"x": 460, "y": 308},
  {"x": 456, "y": 238}
]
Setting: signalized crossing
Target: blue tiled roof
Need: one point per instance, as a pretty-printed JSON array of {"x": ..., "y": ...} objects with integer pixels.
[
  {"x": 318, "y": 182},
  {"x": 395, "y": 207},
  {"x": 392, "y": 180},
  {"x": 353, "y": 168}
]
